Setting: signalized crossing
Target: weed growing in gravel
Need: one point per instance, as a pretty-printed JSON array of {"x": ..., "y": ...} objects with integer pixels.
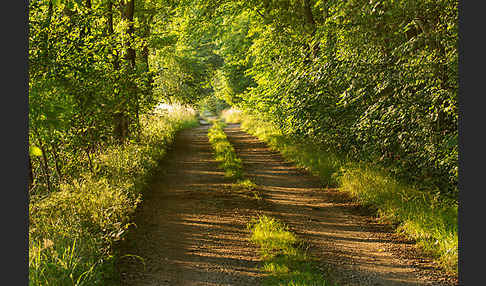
[
  {"x": 230, "y": 163},
  {"x": 283, "y": 255},
  {"x": 248, "y": 187}
]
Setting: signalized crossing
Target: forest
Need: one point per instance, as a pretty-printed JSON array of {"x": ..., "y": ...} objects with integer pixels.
[{"x": 366, "y": 90}]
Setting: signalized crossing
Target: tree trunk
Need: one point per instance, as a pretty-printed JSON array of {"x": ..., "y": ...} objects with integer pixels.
[
  {"x": 90, "y": 163},
  {"x": 31, "y": 174},
  {"x": 129, "y": 12},
  {"x": 110, "y": 33},
  {"x": 309, "y": 18},
  {"x": 56, "y": 160},
  {"x": 46, "y": 41},
  {"x": 45, "y": 161},
  {"x": 123, "y": 119},
  {"x": 311, "y": 23}
]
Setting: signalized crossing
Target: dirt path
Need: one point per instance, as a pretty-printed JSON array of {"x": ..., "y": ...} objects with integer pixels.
[{"x": 191, "y": 229}]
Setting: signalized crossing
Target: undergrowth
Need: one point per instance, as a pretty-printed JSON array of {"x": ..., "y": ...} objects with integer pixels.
[
  {"x": 283, "y": 254},
  {"x": 424, "y": 216},
  {"x": 231, "y": 115},
  {"x": 72, "y": 230}
]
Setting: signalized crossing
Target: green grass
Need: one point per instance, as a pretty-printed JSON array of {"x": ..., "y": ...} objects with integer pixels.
[
  {"x": 230, "y": 163},
  {"x": 224, "y": 151},
  {"x": 247, "y": 187},
  {"x": 283, "y": 254},
  {"x": 72, "y": 231},
  {"x": 421, "y": 215},
  {"x": 319, "y": 162}
]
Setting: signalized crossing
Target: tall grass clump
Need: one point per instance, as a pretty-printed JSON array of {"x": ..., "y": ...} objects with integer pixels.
[
  {"x": 421, "y": 214},
  {"x": 283, "y": 254},
  {"x": 72, "y": 230},
  {"x": 224, "y": 151}
]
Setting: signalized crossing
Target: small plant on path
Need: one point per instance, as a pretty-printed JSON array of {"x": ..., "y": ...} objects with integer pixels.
[{"x": 283, "y": 254}]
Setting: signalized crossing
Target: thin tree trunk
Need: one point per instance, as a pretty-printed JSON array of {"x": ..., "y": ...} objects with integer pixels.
[
  {"x": 45, "y": 161},
  {"x": 88, "y": 5},
  {"x": 308, "y": 15},
  {"x": 309, "y": 20},
  {"x": 56, "y": 160},
  {"x": 123, "y": 117},
  {"x": 89, "y": 161},
  {"x": 31, "y": 174},
  {"x": 46, "y": 41},
  {"x": 129, "y": 12},
  {"x": 111, "y": 32}
]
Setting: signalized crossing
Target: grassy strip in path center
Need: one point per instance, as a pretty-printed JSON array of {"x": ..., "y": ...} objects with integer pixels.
[
  {"x": 283, "y": 254},
  {"x": 224, "y": 151},
  {"x": 229, "y": 161}
]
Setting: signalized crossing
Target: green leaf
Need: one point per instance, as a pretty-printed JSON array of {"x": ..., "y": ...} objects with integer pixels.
[{"x": 35, "y": 151}]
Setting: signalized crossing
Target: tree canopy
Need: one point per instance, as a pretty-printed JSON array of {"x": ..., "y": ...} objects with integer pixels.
[{"x": 372, "y": 80}]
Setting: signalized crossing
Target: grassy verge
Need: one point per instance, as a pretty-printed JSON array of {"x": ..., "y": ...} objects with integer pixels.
[
  {"x": 231, "y": 115},
  {"x": 283, "y": 254},
  {"x": 421, "y": 215},
  {"x": 71, "y": 231}
]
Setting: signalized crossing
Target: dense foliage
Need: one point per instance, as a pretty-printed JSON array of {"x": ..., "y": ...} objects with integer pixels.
[
  {"x": 371, "y": 80},
  {"x": 95, "y": 67}
]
